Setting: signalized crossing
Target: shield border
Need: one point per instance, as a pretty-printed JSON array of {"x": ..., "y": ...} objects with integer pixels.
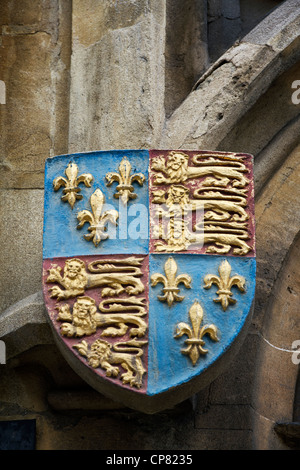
[{"x": 156, "y": 402}]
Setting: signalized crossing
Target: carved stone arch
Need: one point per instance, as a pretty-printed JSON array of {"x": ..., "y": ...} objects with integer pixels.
[
  {"x": 276, "y": 374},
  {"x": 276, "y": 318},
  {"x": 233, "y": 84}
]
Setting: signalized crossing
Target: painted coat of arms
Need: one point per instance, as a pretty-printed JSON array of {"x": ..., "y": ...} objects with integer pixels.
[{"x": 149, "y": 268}]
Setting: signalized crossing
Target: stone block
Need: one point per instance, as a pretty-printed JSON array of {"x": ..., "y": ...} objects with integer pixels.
[
  {"x": 26, "y": 13},
  {"x": 276, "y": 213},
  {"x": 275, "y": 377},
  {"x": 21, "y": 215},
  {"x": 267, "y": 438},
  {"x": 232, "y": 387},
  {"x": 35, "y": 69},
  {"x": 225, "y": 417},
  {"x": 277, "y": 28},
  {"x": 281, "y": 325},
  {"x": 26, "y": 116},
  {"x": 117, "y": 75},
  {"x": 218, "y": 439},
  {"x": 266, "y": 127},
  {"x": 231, "y": 9},
  {"x": 186, "y": 55}
]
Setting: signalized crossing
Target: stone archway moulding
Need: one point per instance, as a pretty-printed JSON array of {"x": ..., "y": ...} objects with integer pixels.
[{"x": 234, "y": 83}]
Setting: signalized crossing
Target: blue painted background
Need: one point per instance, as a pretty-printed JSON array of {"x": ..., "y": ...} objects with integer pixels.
[
  {"x": 61, "y": 236},
  {"x": 167, "y": 366}
]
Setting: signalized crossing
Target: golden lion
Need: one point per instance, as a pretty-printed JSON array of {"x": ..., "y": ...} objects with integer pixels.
[
  {"x": 221, "y": 208},
  {"x": 75, "y": 279},
  {"x": 177, "y": 169},
  {"x": 85, "y": 319},
  {"x": 102, "y": 354}
]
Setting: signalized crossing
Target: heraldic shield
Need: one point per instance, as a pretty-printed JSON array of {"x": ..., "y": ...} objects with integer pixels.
[{"x": 149, "y": 268}]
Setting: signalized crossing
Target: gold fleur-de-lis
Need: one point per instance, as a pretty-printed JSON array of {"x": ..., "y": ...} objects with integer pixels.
[
  {"x": 224, "y": 283},
  {"x": 170, "y": 282},
  {"x": 71, "y": 182},
  {"x": 195, "y": 333},
  {"x": 125, "y": 190},
  {"x": 98, "y": 221}
]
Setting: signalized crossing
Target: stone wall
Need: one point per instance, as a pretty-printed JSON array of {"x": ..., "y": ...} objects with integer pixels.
[{"x": 89, "y": 75}]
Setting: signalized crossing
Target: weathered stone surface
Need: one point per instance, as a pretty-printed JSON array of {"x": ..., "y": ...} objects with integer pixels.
[
  {"x": 277, "y": 222},
  {"x": 219, "y": 440},
  {"x": 225, "y": 417},
  {"x": 186, "y": 54},
  {"x": 233, "y": 84},
  {"x": 21, "y": 215},
  {"x": 266, "y": 438},
  {"x": 276, "y": 29},
  {"x": 276, "y": 373},
  {"x": 30, "y": 12},
  {"x": 275, "y": 152},
  {"x": 253, "y": 12},
  {"x": 208, "y": 106},
  {"x": 233, "y": 385},
  {"x": 24, "y": 392},
  {"x": 33, "y": 120},
  {"x": 281, "y": 327},
  {"x": 224, "y": 26},
  {"x": 24, "y": 326},
  {"x": 117, "y": 75},
  {"x": 266, "y": 119},
  {"x": 274, "y": 363},
  {"x": 26, "y": 113},
  {"x": 80, "y": 400}
]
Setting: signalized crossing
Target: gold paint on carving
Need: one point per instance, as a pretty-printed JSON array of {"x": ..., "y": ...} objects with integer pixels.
[
  {"x": 221, "y": 204},
  {"x": 125, "y": 190},
  {"x": 120, "y": 312},
  {"x": 98, "y": 221},
  {"x": 177, "y": 206},
  {"x": 107, "y": 356},
  {"x": 195, "y": 333},
  {"x": 177, "y": 169},
  {"x": 225, "y": 283},
  {"x": 222, "y": 196},
  {"x": 171, "y": 282},
  {"x": 225, "y": 239},
  {"x": 85, "y": 319},
  {"x": 71, "y": 182},
  {"x": 178, "y": 239},
  {"x": 74, "y": 279},
  {"x": 217, "y": 228},
  {"x": 178, "y": 236},
  {"x": 82, "y": 321},
  {"x": 116, "y": 316},
  {"x": 111, "y": 274}
]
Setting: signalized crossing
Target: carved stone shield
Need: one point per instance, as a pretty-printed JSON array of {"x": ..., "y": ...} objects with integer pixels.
[{"x": 149, "y": 268}]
